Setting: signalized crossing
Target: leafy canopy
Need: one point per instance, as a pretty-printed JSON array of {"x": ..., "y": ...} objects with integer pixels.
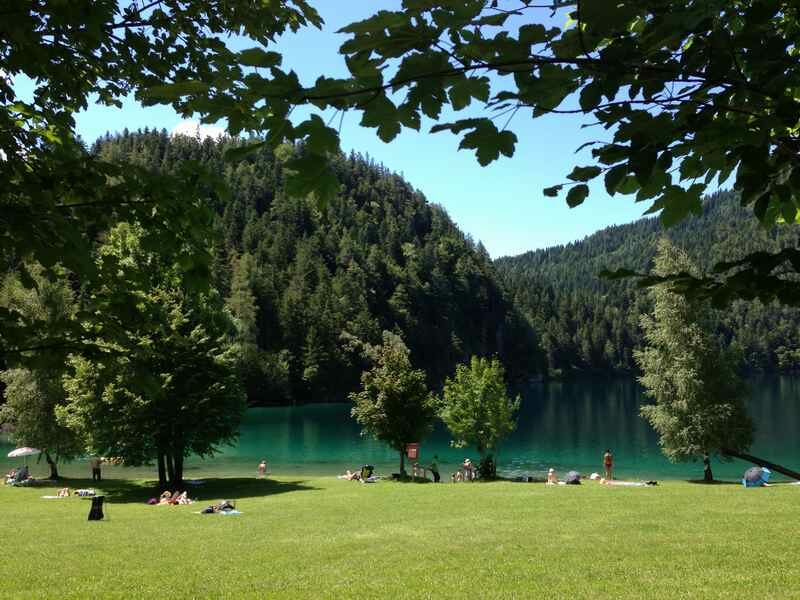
[
  {"x": 54, "y": 195},
  {"x": 688, "y": 93},
  {"x": 172, "y": 389},
  {"x": 476, "y": 407},
  {"x": 394, "y": 404}
]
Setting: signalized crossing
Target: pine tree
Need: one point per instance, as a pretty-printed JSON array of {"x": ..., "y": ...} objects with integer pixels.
[{"x": 698, "y": 398}]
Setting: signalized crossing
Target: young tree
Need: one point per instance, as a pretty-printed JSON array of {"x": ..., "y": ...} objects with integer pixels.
[
  {"x": 173, "y": 388},
  {"x": 394, "y": 404},
  {"x": 698, "y": 397},
  {"x": 32, "y": 394},
  {"x": 477, "y": 409}
]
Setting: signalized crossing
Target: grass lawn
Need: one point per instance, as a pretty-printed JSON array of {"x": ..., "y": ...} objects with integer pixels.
[{"x": 334, "y": 539}]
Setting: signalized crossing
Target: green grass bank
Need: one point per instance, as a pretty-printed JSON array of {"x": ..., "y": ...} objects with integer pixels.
[{"x": 326, "y": 538}]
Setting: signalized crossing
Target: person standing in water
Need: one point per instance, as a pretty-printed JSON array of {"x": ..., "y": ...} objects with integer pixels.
[
  {"x": 608, "y": 464},
  {"x": 262, "y": 468}
]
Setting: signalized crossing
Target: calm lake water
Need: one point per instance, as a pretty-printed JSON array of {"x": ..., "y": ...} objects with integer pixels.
[{"x": 563, "y": 425}]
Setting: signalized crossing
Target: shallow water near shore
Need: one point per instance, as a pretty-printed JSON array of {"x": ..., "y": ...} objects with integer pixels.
[{"x": 562, "y": 425}]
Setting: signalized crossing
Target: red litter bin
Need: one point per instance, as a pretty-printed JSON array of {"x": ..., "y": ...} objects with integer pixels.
[{"x": 412, "y": 451}]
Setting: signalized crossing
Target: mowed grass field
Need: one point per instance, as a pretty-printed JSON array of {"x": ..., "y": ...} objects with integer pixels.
[{"x": 326, "y": 538}]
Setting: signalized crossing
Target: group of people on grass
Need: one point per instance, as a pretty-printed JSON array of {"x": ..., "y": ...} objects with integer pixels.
[
  {"x": 175, "y": 498},
  {"x": 18, "y": 476}
]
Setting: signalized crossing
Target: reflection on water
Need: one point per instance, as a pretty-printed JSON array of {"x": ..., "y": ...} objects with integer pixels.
[{"x": 563, "y": 425}]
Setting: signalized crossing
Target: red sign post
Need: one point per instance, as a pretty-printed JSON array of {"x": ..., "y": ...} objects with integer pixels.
[{"x": 412, "y": 451}]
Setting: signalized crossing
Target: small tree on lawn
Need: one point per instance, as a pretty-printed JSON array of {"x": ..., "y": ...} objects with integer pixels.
[
  {"x": 477, "y": 409},
  {"x": 394, "y": 404},
  {"x": 698, "y": 397}
]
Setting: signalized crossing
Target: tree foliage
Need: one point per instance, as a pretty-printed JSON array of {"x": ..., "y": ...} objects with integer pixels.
[
  {"x": 394, "y": 404},
  {"x": 689, "y": 92},
  {"x": 476, "y": 407},
  {"x": 54, "y": 195},
  {"x": 32, "y": 395},
  {"x": 698, "y": 397},
  {"x": 172, "y": 388}
]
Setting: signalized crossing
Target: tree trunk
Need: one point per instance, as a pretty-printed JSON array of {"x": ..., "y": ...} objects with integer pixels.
[
  {"x": 707, "y": 474},
  {"x": 762, "y": 463},
  {"x": 402, "y": 464},
  {"x": 178, "y": 466},
  {"x": 53, "y": 466},
  {"x": 162, "y": 469},
  {"x": 170, "y": 468}
]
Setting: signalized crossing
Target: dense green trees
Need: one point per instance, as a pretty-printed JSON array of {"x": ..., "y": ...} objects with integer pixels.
[
  {"x": 477, "y": 410},
  {"x": 394, "y": 404},
  {"x": 300, "y": 277},
  {"x": 590, "y": 324},
  {"x": 698, "y": 398}
]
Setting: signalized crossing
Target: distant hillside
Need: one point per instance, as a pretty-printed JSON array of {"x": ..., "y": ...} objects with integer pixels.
[
  {"x": 315, "y": 278},
  {"x": 589, "y": 324}
]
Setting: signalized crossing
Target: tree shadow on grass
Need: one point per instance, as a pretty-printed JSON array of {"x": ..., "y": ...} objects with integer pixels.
[
  {"x": 715, "y": 482},
  {"x": 122, "y": 491}
]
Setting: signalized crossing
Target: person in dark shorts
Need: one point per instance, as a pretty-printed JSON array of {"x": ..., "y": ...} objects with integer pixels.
[{"x": 434, "y": 468}]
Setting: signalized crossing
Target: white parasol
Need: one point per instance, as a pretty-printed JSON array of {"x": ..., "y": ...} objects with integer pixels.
[{"x": 26, "y": 451}]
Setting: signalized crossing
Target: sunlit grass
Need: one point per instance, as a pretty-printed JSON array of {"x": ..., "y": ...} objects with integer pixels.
[{"x": 323, "y": 537}]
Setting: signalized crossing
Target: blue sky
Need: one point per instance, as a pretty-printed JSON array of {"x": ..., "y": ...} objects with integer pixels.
[{"x": 501, "y": 205}]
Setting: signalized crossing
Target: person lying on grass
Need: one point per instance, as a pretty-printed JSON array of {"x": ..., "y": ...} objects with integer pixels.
[
  {"x": 350, "y": 475},
  {"x": 224, "y": 506}
]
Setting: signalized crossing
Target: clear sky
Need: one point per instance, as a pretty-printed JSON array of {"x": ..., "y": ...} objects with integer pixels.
[{"x": 501, "y": 205}]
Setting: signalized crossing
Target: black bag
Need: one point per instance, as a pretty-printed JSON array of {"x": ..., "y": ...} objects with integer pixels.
[{"x": 96, "y": 511}]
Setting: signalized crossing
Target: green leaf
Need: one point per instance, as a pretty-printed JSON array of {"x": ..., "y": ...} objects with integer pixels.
[
  {"x": 552, "y": 192},
  {"x": 591, "y": 95},
  {"x": 174, "y": 91},
  {"x": 319, "y": 138},
  {"x": 614, "y": 177},
  {"x": 584, "y": 173},
  {"x": 311, "y": 174},
  {"x": 257, "y": 57},
  {"x": 241, "y": 152},
  {"x": 464, "y": 90},
  {"x": 577, "y": 195},
  {"x": 488, "y": 142}
]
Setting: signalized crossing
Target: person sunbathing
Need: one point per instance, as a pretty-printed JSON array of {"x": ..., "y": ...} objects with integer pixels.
[
  {"x": 182, "y": 498},
  {"x": 351, "y": 475},
  {"x": 63, "y": 492},
  {"x": 165, "y": 497}
]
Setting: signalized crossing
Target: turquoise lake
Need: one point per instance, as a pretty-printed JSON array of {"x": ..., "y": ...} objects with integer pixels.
[{"x": 561, "y": 425}]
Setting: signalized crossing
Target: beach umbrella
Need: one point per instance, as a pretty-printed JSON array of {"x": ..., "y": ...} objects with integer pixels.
[
  {"x": 573, "y": 478},
  {"x": 756, "y": 477},
  {"x": 26, "y": 452},
  {"x": 23, "y": 452}
]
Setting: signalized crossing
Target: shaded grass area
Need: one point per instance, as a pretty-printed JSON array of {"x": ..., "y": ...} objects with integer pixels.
[{"x": 327, "y": 538}]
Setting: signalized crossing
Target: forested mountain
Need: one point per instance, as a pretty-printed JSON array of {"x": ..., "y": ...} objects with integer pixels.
[
  {"x": 586, "y": 323},
  {"x": 307, "y": 282}
]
